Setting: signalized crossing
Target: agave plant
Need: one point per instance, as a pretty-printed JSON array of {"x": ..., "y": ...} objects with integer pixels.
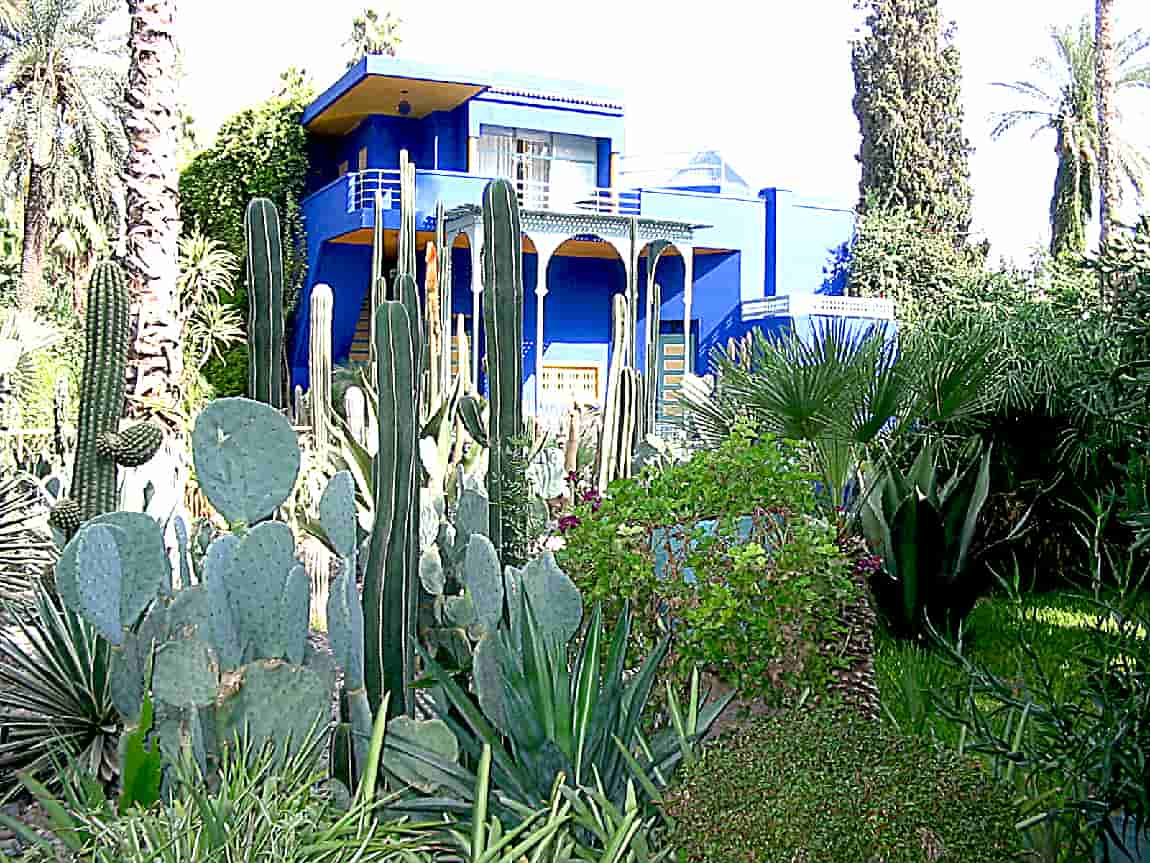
[
  {"x": 55, "y": 699},
  {"x": 923, "y": 528},
  {"x": 573, "y": 720},
  {"x": 25, "y": 546}
]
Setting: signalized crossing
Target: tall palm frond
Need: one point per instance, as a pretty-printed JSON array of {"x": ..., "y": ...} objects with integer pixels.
[
  {"x": 1064, "y": 100},
  {"x": 61, "y": 93}
]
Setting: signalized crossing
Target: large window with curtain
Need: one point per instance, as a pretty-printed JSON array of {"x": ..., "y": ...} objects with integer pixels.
[{"x": 550, "y": 169}]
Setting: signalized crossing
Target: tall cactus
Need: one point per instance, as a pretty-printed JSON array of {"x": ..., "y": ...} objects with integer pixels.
[
  {"x": 265, "y": 303},
  {"x": 433, "y": 327},
  {"x": 616, "y": 440},
  {"x": 651, "y": 366},
  {"x": 503, "y": 330},
  {"x": 388, "y": 588},
  {"x": 100, "y": 445},
  {"x": 377, "y": 290},
  {"x": 319, "y": 365}
]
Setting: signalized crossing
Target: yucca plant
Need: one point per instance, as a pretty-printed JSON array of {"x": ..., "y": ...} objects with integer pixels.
[
  {"x": 26, "y": 548},
  {"x": 55, "y": 701}
]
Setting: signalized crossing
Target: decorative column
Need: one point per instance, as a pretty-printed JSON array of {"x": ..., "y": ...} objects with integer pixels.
[
  {"x": 545, "y": 247},
  {"x": 475, "y": 239},
  {"x": 688, "y": 253}
]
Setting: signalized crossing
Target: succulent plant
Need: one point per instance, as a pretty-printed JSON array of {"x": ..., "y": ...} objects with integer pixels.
[
  {"x": 265, "y": 303},
  {"x": 101, "y": 446},
  {"x": 319, "y": 363},
  {"x": 231, "y": 652},
  {"x": 617, "y": 440}
]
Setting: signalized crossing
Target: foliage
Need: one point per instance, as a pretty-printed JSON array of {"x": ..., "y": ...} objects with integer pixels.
[
  {"x": 26, "y": 547},
  {"x": 1078, "y": 755},
  {"x": 811, "y": 786},
  {"x": 923, "y": 526},
  {"x": 210, "y": 327},
  {"x": 907, "y": 100},
  {"x": 262, "y": 810},
  {"x": 1065, "y": 102},
  {"x": 60, "y": 112},
  {"x": 372, "y": 33},
  {"x": 259, "y": 152},
  {"x": 722, "y": 617},
  {"x": 896, "y": 255},
  {"x": 566, "y": 719},
  {"x": 55, "y": 696},
  {"x": 854, "y": 393}
]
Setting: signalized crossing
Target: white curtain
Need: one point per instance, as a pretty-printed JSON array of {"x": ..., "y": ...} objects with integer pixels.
[{"x": 497, "y": 153}]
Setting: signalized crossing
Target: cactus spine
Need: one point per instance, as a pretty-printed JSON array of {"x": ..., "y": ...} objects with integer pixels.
[
  {"x": 265, "y": 303},
  {"x": 319, "y": 363},
  {"x": 503, "y": 329},
  {"x": 100, "y": 445}
]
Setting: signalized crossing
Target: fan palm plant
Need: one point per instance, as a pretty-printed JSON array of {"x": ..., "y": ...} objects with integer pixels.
[
  {"x": 59, "y": 100},
  {"x": 1065, "y": 101},
  {"x": 851, "y": 393},
  {"x": 55, "y": 697}
]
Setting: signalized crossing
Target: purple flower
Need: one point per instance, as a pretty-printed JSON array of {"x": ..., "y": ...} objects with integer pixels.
[
  {"x": 572, "y": 477},
  {"x": 592, "y": 497},
  {"x": 568, "y": 522}
]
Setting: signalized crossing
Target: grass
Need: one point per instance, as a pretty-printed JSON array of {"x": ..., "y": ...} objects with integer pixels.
[{"x": 911, "y": 677}]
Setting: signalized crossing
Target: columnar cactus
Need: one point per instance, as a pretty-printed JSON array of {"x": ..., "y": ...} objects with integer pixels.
[
  {"x": 503, "y": 329},
  {"x": 618, "y": 419},
  {"x": 388, "y": 589},
  {"x": 651, "y": 367},
  {"x": 443, "y": 283},
  {"x": 265, "y": 303},
  {"x": 100, "y": 444},
  {"x": 377, "y": 290},
  {"x": 319, "y": 366},
  {"x": 407, "y": 250},
  {"x": 433, "y": 326}
]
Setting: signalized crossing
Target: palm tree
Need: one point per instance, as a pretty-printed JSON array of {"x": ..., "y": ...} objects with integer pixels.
[
  {"x": 59, "y": 102},
  {"x": 1065, "y": 101},
  {"x": 371, "y": 34},
  {"x": 153, "y": 226},
  {"x": 1108, "y": 187}
]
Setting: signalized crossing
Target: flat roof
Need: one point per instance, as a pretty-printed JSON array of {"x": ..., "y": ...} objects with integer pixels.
[{"x": 377, "y": 84}]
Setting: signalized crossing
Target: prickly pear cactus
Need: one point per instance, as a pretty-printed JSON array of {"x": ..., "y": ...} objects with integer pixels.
[{"x": 229, "y": 653}]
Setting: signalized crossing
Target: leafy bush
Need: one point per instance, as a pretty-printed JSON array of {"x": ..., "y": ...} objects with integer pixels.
[
  {"x": 762, "y": 597},
  {"x": 806, "y": 786}
]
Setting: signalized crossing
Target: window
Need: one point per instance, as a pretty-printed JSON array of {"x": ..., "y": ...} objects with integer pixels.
[
  {"x": 566, "y": 383},
  {"x": 550, "y": 169}
]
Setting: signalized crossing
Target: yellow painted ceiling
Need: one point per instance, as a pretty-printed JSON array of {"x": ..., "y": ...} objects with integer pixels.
[
  {"x": 571, "y": 248},
  {"x": 378, "y": 94}
]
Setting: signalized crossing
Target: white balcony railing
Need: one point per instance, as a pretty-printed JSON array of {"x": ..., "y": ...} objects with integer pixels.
[
  {"x": 364, "y": 186},
  {"x": 796, "y": 305}
]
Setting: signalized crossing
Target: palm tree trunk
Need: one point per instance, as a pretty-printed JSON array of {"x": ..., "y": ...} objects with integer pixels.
[
  {"x": 156, "y": 364},
  {"x": 1104, "y": 82},
  {"x": 35, "y": 237}
]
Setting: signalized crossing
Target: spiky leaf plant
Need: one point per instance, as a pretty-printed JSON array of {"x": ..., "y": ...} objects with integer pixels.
[
  {"x": 55, "y": 701},
  {"x": 25, "y": 546}
]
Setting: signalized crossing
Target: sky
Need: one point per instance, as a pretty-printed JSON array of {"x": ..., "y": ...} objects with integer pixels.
[{"x": 766, "y": 83}]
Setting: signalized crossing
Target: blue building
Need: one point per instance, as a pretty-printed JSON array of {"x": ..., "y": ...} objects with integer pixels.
[{"x": 734, "y": 259}]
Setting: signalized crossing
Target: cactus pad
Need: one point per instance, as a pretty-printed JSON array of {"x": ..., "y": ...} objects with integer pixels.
[
  {"x": 272, "y": 702},
  {"x": 131, "y": 447},
  {"x": 482, "y": 579},
  {"x": 246, "y": 458},
  {"x": 554, "y": 598},
  {"x": 337, "y": 514},
  {"x": 98, "y": 586},
  {"x": 186, "y": 674}
]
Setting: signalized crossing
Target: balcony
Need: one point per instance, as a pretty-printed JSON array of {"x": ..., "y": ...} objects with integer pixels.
[
  {"x": 800, "y": 305},
  {"x": 455, "y": 188}
]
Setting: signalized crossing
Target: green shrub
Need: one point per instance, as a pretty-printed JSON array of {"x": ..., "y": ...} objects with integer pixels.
[
  {"x": 758, "y": 608},
  {"x": 812, "y": 788}
]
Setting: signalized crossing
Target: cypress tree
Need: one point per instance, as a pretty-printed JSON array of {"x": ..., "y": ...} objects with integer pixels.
[{"x": 908, "y": 83}]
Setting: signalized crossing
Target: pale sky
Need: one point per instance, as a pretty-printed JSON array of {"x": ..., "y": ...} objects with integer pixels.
[{"x": 767, "y": 83}]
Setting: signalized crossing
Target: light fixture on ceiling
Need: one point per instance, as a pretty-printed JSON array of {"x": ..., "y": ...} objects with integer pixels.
[{"x": 404, "y": 107}]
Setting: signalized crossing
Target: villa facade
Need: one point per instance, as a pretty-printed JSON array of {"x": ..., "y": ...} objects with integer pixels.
[{"x": 732, "y": 259}]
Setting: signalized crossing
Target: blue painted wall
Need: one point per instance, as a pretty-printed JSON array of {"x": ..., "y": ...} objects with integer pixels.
[{"x": 805, "y": 244}]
